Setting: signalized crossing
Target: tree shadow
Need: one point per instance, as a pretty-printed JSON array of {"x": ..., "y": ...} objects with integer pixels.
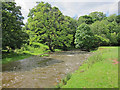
[{"x": 29, "y": 63}]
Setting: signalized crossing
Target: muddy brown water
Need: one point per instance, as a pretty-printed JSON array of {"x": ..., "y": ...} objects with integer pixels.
[{"x": 42, "y": 72}]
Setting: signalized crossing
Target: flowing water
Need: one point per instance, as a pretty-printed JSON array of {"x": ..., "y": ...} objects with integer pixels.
[{"x": 42, "y": 72}]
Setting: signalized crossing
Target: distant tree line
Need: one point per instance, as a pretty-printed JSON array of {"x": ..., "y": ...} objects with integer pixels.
[
  {"x": 47, "y": 25},
  {"x": 96, "y": 30}
]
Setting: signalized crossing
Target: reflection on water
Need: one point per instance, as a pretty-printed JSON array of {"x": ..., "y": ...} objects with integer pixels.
[
  {"x": 26, "y": 65},
  {"x": 41, "y": 72}
]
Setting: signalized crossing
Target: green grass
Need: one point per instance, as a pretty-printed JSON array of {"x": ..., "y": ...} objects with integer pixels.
[
  {"x": 47, "y": 55},
  {"x": 12, "y": 56},
  {"x": 98, "y": 72},
  {"x": 25, "y": 52}
]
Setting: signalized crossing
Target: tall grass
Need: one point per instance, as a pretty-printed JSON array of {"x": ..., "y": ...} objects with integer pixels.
[{"x": 64, "y": 81}]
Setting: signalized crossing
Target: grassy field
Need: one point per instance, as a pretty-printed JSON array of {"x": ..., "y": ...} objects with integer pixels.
[{"x": 100, "y": 71}]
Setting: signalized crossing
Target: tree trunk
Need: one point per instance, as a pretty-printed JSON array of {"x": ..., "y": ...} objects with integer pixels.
[
  {"x": 73, "y": 41},
  {"x": 50, "y": 48},
  {"x": 88, "y": 49},
  {"x": 64, "y": 47}
]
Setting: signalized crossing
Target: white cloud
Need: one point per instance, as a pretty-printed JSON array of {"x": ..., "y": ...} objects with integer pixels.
[
  {"x": 25, "y": 20},
  {"x": 113, "y": 8},
  {"x": 84, "y": 8},
  {"x": 25, "y": 6},
  {"x": 103, "y": 7},
  {"x": 72, "y": 7},
  {"x": 71, "y": 0}
]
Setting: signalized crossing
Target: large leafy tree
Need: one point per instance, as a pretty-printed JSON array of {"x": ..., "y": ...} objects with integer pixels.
[
  {"x": 107, "y": 29},
  {"x": 85, "y": 39},
  {"x": 85, "y": 19},
  {"x": 100, "y": 27},
  {"x": 97, "y": 16},
  {"x": 111, "y": 18},
  {"x": 12, "y": 34},
  {"x": 72, "y": 25},
  {"x": 48, "y": 25}
]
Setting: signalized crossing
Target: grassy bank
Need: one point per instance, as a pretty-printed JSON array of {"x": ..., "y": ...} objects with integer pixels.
[
  {"x": 100, "y": 71},
  {"x": 13, "y": 56},
  {"x": 25, "y": 52}
]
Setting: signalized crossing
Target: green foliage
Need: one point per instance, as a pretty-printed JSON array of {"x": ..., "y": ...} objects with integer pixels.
[
  {"x": 34, "y": 49},
  {"x": 99, "y": 27},
  {"x": 85, "y": 19},
  {"x": 113, "y": 39},
  {"x": 103, "y": 39},
  {"x": 25, "y": 52},
  {"x": 107, "y": 30},
  {"x": 13, "y": 56},
  {"x": 111, "y": 18},
  {"x": 97, "y": 16},
  {"x": 12, "y": 35},
  {"x": 72, "y": 25},
  {"x": 48, "y": 25},
  {"x": 118, "y": 38},
  {"x": 85, "y": 39},
  {"x": 47, "y": 28},
  {"x": 118, "y": 19}
]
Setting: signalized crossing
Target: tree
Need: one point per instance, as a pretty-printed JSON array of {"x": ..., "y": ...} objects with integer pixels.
[
  {"x": 118, "y": 19},
  {"x": 111, "y": 18},
  {"x": 12, "y": 35},
  {"x": 85, "y": 19},
  {"x": 72, "y": 25},
  {"x": 103, "y": 40},
  {"x": 113, "y": 35},
  {"x": 85, "y": 39},
  {"x": 113, "y": 27},
  {"x": 49, "y": 26},
  {"x": 97, "y": 16},
  {"x": 118, "y": 38},
  {"x": 100, "y": 27},
  {"x": 107, "y": 30},
  {"x": 113, "y": 39}
]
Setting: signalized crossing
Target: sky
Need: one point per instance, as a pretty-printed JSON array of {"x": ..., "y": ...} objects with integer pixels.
[{"x": 72, "y": 8}]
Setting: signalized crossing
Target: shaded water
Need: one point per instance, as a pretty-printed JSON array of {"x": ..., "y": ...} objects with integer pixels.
[{"x": 41, "y": 72}]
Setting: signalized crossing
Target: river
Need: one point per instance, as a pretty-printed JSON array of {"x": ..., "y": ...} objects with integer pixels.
[{"x": 42, "y": 72}]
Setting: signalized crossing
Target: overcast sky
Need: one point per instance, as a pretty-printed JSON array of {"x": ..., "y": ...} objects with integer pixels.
[{"x": 73, "y": 8}]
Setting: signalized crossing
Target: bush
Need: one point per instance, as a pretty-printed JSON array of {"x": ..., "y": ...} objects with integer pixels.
[{"x": 33, "y": 49}]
